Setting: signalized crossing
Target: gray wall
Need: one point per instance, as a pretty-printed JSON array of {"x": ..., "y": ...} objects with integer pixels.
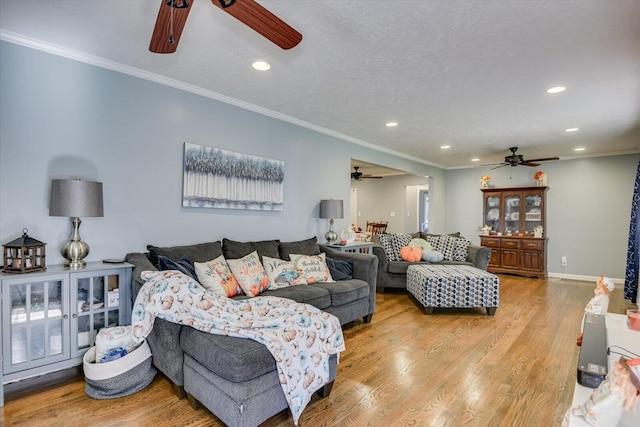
[
  {"x": 377, "y": 198},
  {"x": 60, "y": 118},
  {"x": 588, "y": 210}
]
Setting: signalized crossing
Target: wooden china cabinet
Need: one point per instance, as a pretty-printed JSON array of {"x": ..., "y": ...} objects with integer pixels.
[{"x": 514, "y": 215}]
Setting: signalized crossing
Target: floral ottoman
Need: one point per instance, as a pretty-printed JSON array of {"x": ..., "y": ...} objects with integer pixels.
[{"x": 453, "y": 286}]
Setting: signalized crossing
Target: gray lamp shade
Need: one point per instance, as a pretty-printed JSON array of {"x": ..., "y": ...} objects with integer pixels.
[
  {"x": 75, "y": 198},
  {"x": 331, "y": 209}
]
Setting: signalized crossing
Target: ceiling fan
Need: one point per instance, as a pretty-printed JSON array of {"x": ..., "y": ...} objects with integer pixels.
[
  {"x": 357, "y": 175},
  {"x": 173, "y": 14},
  {"x": 517, "y": 159}
]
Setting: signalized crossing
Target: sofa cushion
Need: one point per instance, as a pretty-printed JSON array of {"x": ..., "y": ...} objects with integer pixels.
[
  {"x": 400, "y": 267},
  {"x": 234, "y": 359},
  {"x": 304, "y": 247},
  {"x": 282, "y": 273},
  {"x": 345, "y": 291},
  {"x": 234, "y": 250},
  {"x": 183, "y": 265},
  {"x": 200, "y": 252},
  {"x": 216, "y": 276},
  {"x": 316, "y": 296}
]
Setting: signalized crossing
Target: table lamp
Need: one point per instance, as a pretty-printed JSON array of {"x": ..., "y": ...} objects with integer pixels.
[
  {"x": 75, "y": 198},
  {"x": 331, "y": 209}
]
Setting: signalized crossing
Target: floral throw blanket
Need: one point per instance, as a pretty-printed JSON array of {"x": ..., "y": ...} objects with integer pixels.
[{"x": 299, "y": 336}]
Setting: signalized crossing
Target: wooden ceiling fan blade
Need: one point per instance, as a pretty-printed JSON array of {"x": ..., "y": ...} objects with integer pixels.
[
  {"x": 262, "y": 21},
  {"x": 169, "y": 25},
  {"x": 529, "y": 163},
  {"x": 544, "y": 159},
  {"x": 499, "y": 166}
]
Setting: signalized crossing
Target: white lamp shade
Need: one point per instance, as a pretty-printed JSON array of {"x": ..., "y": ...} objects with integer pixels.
[
  {"x": 331, "y": 209},
  {"x": 76, "y": 198}
]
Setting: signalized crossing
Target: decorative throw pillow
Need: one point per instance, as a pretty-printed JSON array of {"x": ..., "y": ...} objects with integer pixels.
[
  {"x": 339, "y": 269},
  {"x": 460, "y": 248},
  {"x": 250, "y": 274},
  {"x": 216, "y": 276},
  {"x": 432, "y": 256},
  {"x": 399, "y": 241},
  {"x": 312, "y": 267},
  {"x": 386, "y": 241},
  {"x": 446, "y": 247},
  {"x": 282, "y": 273},
  {"x": 183, "y": 265},
  {"x": 420, "y": 243},
  {"x": 453, "y": 248},
  {"x": 437, "y": 242},
  {"x": 411, "y": 254}
]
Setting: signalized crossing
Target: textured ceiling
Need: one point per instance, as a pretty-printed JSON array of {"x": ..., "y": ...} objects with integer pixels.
[{"x": 469, "y": 74}]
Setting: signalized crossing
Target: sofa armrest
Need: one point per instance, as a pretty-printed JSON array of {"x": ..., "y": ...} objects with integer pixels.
[
  {"x": 365, "y": 267},
  {"x": 479, "y": 256},
  {"x": 141, "y": 263}
]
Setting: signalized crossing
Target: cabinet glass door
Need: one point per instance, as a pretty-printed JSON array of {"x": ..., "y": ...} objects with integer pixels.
[
  {"x": 511, "y": 213},
  {"x": 35, "y": 312},
  {"x": 98, "y": 306},
  {"x": 533, "y": 212},
  {"x": 492, "y": 209}
]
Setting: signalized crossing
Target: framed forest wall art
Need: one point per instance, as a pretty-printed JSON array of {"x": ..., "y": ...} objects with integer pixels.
[{"x": 215, "y": 178}]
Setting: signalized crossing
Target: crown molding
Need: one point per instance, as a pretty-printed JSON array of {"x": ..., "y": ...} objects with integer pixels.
[{"x": 40, "y": 45}]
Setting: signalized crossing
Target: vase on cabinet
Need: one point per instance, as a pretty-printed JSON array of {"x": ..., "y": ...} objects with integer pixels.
[{"x": 542, "y": 180}]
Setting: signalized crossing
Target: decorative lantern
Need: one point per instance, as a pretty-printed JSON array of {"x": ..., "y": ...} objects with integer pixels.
[{"x": 24, "y": 255}]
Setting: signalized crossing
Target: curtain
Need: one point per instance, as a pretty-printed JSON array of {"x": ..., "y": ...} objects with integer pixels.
[{"x": 631, "y": 276}]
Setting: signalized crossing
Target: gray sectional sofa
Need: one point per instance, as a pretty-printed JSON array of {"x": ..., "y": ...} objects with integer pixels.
[
  {"x": 393, "y": 274},
  {"x": 236, "y": 378}
]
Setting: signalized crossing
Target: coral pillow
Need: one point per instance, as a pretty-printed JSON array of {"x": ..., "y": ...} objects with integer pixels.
[
  {"x": 282, "y": 273},
  {"x": 411, "y": 254},
  {"x": 216, "y": 276},
  {"x": 312, "y": 267},
  {"x": 250, "y": 274}
]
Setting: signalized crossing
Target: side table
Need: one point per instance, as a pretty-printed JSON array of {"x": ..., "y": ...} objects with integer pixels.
[
  {"x": 618, "y": 334},
  {"x": 355, "y": 247},
  {"x": 50, "y": 318}
]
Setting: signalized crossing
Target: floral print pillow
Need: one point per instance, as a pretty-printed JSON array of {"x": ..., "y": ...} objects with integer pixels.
[
  {"x": 216, "y": 276},
  {"x": 250, "y": 274},
  {"x": 312, "y": 267},
  {"x": 282, "y": 273}
]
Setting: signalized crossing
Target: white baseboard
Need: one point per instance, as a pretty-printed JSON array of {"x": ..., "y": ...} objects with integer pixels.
[{"x": 581, "y": 278}]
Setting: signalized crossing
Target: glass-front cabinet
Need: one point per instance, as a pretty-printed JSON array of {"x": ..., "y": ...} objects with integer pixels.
[
  {"x": 51, "y": 318},
  {"x": 514, "y": 229},
  {"x": 34, "y": 320},
  {"x": 98, "y": 306}
]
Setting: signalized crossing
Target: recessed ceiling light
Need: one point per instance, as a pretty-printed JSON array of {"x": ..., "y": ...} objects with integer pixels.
[
  {"x": 475, "y": 160},
  {"x": 444, "y": 147},
  {"x": 572, "y": 129},
  {"x": 579, "y": 149},
  {"x": 391, "y": 124},
  {"x": 556, "y": 89},
  {"x": 261, "y": 65}
]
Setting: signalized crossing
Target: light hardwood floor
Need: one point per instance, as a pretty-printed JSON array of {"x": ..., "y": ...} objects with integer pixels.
[{"x": 453, "y": 368}]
